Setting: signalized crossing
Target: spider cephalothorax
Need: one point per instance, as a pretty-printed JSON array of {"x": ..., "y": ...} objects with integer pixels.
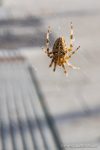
[{"x": 60, "y": 53}]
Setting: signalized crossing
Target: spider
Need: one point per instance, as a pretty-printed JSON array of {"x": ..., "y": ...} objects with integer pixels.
[{"x": 60, "y": 53}]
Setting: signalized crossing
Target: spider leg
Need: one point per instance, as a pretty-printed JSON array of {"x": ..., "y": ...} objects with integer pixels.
[
  {"x": 51, "y": 56},
  {"x": 73, "y": 67},
  {"x": 71, "y": 38},
  {"x": 54, "y": 66},
  {"x": 64, "y": 69},
  {"x": 51, "y": 63},
  {"x": 73, "y": 52},
  {"x": 48, "y": 43}
]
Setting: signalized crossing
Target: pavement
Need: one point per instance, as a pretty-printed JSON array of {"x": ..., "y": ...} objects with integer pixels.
[{"x": 74, "y": 101}]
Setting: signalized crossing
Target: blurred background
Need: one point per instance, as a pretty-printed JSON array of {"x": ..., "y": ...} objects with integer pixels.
[{"x": 26, "y": 80}]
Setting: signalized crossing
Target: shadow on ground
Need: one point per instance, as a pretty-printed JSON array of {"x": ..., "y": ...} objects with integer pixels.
[
  {"x": 25, "y": 32},
  {"x": 22, "y": 127}
]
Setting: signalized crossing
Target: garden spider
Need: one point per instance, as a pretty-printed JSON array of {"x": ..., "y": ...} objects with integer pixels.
[{"x": 61, "y": 54}]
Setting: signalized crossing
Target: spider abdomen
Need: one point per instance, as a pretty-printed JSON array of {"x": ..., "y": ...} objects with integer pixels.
[{"x": 59, "y": 44}]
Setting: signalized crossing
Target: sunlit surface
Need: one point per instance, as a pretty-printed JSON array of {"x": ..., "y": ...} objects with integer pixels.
[{"x": 73, "y": 101}]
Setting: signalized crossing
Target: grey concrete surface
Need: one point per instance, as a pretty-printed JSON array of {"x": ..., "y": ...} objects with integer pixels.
[
  {"x": 74, "y": 101},
  {"x": 23, "y": 125}
]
